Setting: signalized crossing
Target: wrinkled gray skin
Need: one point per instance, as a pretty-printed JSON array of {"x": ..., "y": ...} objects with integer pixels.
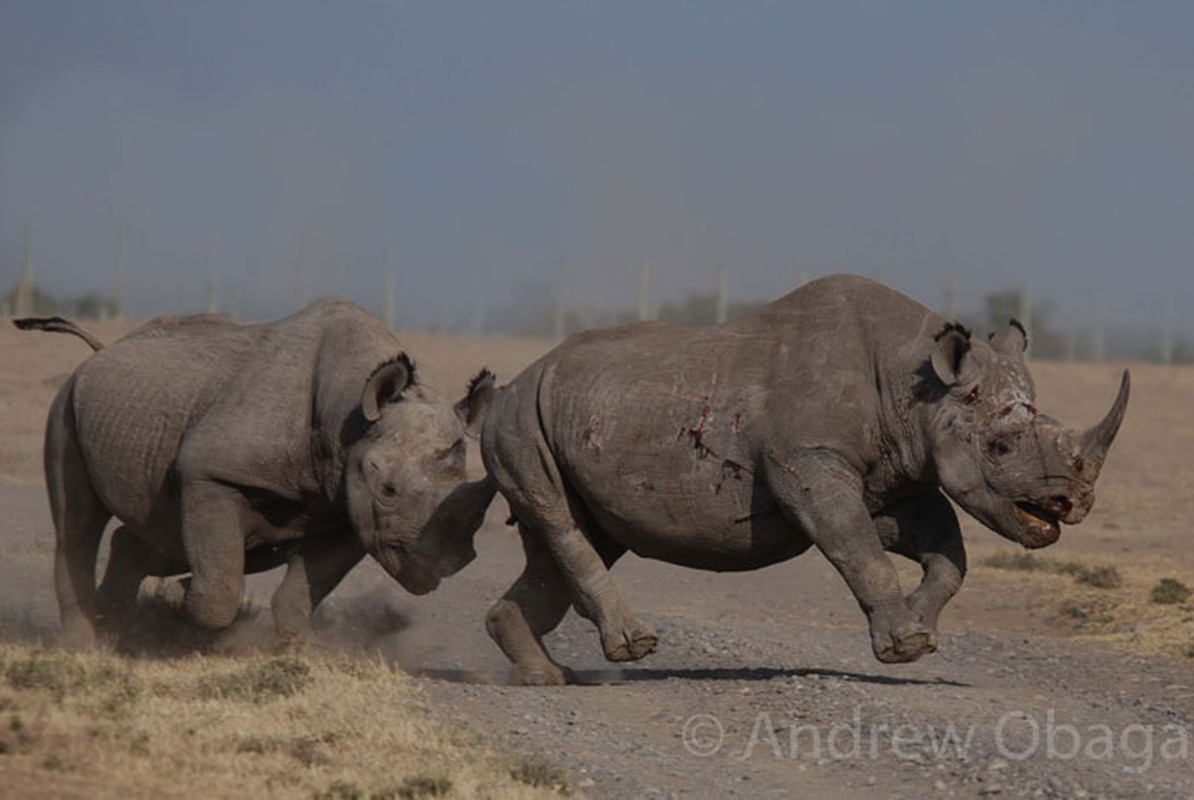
[
  {"x": 840, "y": 416},
  {"x": 227, "y": 448}
]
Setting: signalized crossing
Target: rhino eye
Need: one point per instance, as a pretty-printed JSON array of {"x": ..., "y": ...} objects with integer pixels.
[
  {"x": 457, "y": 448},
  {"x": 389, "y": 490},
  {"x": 998, "y": 447},
  {"x": 972, "y": 395}
]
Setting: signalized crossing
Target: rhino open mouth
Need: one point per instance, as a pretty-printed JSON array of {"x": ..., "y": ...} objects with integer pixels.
[{"x": 1045, "y": 525}]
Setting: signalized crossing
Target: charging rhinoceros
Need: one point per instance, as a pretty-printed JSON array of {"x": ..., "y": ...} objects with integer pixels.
[
  {"x": 227, "y": 448},
  {"x": 842, "y": 416}
]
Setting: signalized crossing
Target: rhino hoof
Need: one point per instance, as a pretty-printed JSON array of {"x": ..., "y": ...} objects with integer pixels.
[
  {"x": 634, "y": 644},
  {"x": 552, "y": 676},
  {"x": 907, "y": 646},
  {"x": 164, "y": 591}
]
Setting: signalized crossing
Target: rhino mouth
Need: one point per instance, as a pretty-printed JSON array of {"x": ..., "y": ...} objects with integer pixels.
[{"x": 1044, "y": 525}]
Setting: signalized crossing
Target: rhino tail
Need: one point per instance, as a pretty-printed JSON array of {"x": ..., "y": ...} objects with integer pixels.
[{"x": 57, "y": 325}]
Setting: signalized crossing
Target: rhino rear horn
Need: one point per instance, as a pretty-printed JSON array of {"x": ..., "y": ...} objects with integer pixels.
[{"x": 1097, "y": 440}]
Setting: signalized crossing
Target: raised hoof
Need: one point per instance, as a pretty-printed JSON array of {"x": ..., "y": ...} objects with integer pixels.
[
  {"x": 550, "y": 676},
  {"x": 161, "y": 591},
  {"x": 633, "y": 645},
  {"x": 907, "y": 646}
]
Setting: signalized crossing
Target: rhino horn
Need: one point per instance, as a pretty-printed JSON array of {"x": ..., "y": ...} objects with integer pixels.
[{"x": 1097, "y": 440}]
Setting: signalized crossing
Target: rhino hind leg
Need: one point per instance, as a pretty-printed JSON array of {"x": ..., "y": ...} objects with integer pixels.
[
  {"x": 595, "y": 595},
  {"x": 130, "y": 560},
  {"x": 79, "y": 520},
  {"x": 529, "y": 609},
  {"x": 526, "y": 472}
]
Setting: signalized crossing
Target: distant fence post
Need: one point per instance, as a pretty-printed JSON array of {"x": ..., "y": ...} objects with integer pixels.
[
  {"x": 950, "y": 297},
  {"x": 644, "y": 291},
  {"x": 213, "y": 287},
  {"x": 1167, "y": 334},
  {"x": 23, "y": 300},
  {"x": 121, "y": 265},
  {"x": 388, "y": 310},
  {"x": 722, "y": 294},
  {"x": 1024, "y": 314}
]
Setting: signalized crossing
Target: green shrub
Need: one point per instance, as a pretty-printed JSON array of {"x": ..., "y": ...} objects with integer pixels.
[
  {"x": 1170, "y": 591},
  {"x": 538, "y": 774},
  {"x": 1101, "y": 577}
]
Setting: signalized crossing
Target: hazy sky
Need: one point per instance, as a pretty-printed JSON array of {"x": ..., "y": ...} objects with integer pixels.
[{"x": 492, "y": 144}]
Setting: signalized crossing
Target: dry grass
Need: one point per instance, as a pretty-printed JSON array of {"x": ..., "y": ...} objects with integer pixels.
[
  {"x": 1116, "y": 604},
  {"x": 97, "y": 725}
]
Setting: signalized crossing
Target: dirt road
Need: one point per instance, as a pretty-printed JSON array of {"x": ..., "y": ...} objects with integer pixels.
[{"x": 763, "y": 684}]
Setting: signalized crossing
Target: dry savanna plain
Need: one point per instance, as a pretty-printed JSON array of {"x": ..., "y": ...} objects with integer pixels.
[{"x": 1065, "y": 673}]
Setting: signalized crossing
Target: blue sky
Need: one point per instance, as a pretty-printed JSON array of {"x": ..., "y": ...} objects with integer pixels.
[{"x": 495, "y": 144}]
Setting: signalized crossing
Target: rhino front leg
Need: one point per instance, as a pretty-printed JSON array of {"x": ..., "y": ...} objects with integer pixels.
[
  {"x": 312, "y": 572},
  {"x": 214, "y": 540},
  {"x": 823, "y": 496},
  {"x": 925, "y": 529},
  {"x": 530, "y": 608}
]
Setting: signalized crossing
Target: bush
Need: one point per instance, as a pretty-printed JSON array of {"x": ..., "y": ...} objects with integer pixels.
[
  {"x": 1101, "y": 577},
  {"x": 540, "y": 775},
  {"x": 1170, "y": 591}
]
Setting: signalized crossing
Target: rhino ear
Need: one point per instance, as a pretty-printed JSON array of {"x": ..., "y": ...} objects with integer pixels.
[
  {"x": 475, "y": 405},
  {"x": 1011, "y": 342},
  {"x": 951, "y": 355},
  {"x": 386, "y": 385}
]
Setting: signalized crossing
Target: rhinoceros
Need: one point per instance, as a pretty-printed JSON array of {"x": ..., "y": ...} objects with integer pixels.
[
  {"x": 228, "y": 448},
  {"x": 842, "y": 415}
]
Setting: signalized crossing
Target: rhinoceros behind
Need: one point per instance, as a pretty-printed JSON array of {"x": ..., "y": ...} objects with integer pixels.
[
  {"x": 227, "y": 448},
  {"x": 840, "y": 416}
]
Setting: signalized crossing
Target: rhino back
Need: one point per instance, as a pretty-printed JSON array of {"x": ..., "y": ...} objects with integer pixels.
[
  {"x": 661, "y": 430},
  {"x": 248, "y": 396},
  {"x": 135, "y": 400}
]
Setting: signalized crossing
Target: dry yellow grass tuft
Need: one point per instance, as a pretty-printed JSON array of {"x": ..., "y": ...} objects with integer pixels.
[
  {"x": 98, "y": 725},
  {"x": 1114, "y": 604}
]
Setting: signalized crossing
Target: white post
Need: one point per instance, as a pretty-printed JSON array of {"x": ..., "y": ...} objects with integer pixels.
[
  {"x": 121, "y": 266},
  {"x": 951, "y": 297},
  {"x": 213, "y": 286},
  {"x": 1167, "y": 334},
  {"x": 388, "y": 311},
  {"x": 1024, "y": 314},
  {"x": 644, "y": 291},
  {"x": 23, "y": 302},
  {"x": 557, "y": 318},
  {"x": 722, "y": 294}
]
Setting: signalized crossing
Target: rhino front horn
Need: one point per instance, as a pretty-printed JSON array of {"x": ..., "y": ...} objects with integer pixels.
[{"x": 1097, "y": 440}]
